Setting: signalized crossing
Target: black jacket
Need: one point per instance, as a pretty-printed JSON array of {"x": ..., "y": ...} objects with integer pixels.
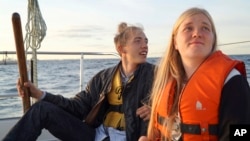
[
  {"x": 133, "y": 93},
  {"x": 234, "y": 106}
]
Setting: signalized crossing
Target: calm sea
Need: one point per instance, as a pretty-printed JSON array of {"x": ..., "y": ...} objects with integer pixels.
[{"x": 60, "y": 77}]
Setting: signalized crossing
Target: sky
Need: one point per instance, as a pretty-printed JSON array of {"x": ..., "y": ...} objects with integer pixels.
[{"x": 90, "y": 25}]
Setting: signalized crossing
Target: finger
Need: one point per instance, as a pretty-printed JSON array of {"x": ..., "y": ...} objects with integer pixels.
[
  {"x": 20, "y": 91},
  {"x": 143, "y": 110},
  {"x": 145, "y": 117},
  {"x": 143, "y": 138},
  {"x": 27, "y": 84},
  {"x": 18, "y": 81},
  {"x": 144, "y": 113},
  {"x": 140, "y": 111}
]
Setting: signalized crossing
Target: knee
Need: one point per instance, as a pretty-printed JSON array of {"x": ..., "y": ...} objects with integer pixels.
[{"x": 41, "y": 106}]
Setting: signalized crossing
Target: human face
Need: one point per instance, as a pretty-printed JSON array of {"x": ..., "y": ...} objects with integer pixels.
[
  {"x": 136, "y": 48},
  {"x": 194, "y": 39}
]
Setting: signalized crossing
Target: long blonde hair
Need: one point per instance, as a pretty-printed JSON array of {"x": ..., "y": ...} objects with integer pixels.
[{"x": 171, "y": 67}]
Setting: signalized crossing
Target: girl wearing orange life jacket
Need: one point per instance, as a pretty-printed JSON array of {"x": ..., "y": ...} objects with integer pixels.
[{"x": 198, "y": 92}]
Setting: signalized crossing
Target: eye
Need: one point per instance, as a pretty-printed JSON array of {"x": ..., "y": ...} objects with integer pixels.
[
  {"x": 206, "y": 28},
  {"x": 188, "y": 28},
  {"x": 137, "y": 40}
]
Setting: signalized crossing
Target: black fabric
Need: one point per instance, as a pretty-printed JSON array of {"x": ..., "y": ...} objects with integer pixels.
[
  {"x": 196, "y": 129},
  {"x": 58, "y": 122},
  {"x": 160, "y": 119},
  {"x": 234, "y": 105},
  {"x": 116, "y": 108}
]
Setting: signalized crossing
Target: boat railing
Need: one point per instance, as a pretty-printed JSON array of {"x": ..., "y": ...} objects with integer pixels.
[
  {"x": 81, "y": 54},
  {"x": 63, "y": 53}
]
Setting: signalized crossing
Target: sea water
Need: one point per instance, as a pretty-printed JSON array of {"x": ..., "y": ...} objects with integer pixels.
[{"x": 60, "y": 77}]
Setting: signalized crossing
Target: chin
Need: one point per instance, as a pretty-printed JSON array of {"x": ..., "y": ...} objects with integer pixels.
[{"x": 143, "y": 60}]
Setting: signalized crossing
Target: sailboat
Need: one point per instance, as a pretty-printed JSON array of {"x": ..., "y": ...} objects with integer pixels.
[{"x": 7, "y": 123}]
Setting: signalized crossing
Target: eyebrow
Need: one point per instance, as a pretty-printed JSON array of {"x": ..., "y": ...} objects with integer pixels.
[
  {"x": 205, "y": 23},
  {"x": 137, "y": 38},
  {"x": 140, "y": 38}
]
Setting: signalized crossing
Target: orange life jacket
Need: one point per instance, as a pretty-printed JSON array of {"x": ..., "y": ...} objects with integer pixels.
[{"x": 200, "y": 99}]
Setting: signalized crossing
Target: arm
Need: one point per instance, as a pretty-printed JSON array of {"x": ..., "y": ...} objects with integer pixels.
[
  {"x": 234, "y": 105},
  {"x": 81, "y": 103}
]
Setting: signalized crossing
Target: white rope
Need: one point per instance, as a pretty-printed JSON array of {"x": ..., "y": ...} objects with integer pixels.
[
  {"x": 35, "y": 27},
  {"x": 35, "y": 33}
]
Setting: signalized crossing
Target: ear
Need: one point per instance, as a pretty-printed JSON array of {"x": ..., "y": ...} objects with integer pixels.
[
  {"x": 119, "y": 49},
  {"x": 122, "y": 49}
]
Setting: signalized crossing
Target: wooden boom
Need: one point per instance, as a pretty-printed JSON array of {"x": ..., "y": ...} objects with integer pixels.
[{"x": 16, "y": 21}]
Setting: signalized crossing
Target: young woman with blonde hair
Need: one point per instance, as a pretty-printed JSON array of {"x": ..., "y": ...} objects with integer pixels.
[{"x": 198, "y": 92}]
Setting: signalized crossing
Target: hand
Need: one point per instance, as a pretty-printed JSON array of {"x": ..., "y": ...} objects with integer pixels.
[
  {"x": 144, "y": 112},
  {"x": 35, "y": 92},
  {"x": 143, "y": 138}
]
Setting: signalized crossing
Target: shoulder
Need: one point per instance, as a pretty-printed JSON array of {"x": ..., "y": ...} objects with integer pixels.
[
  {"x": 105, "y": 74},
  {"x": 148, "y": 66},
  {"x": 233, "y": 73},
  {"x": 145, "y": 69},
  {"x": 234, "y": 102},
  {"x": 236, "y": 85},
  {"x": 108, "y": 70}
]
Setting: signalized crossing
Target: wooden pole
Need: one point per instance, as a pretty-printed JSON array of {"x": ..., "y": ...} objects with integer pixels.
[{"x": 16, "y": 21}]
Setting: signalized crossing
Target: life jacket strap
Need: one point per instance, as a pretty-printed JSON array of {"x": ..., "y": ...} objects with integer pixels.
[
  {"x": 196, "y": 129},
  {"x": 160, "y": 119},
  {"x": 116, "y": 108}
]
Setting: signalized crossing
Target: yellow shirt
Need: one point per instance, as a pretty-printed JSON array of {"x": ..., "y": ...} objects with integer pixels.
[{"x": 115, "y": 119}]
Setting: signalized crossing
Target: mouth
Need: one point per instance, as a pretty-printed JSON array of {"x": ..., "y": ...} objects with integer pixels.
[
  {"x": 196, "y": 43},
  {"x": 143, "y": 53}
]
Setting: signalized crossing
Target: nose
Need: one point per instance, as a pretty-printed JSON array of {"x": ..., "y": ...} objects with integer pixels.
[
  {"x": 144, "y": 44},
  {"x": 197, "y": 33}
]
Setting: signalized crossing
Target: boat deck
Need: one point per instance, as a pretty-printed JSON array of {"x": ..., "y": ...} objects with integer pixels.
[{"x": 8, "y": 123}]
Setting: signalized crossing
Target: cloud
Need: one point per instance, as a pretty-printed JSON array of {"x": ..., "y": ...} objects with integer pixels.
[
  {"x": 93, "y": 24},
  {"x": 86, "y": 32}
]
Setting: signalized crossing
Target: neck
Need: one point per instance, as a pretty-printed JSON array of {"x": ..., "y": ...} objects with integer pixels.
[
  {"x": 128, "y": 69},
  {"x": 190, "y": 67}
]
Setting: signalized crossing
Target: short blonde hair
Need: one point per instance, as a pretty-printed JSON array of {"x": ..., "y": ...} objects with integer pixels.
[{"x": 124, "y": 32}]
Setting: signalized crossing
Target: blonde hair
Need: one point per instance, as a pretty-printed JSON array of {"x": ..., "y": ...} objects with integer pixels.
[
  {"x": 124, "y": 33},
  {"x": 171, "y": 68}
]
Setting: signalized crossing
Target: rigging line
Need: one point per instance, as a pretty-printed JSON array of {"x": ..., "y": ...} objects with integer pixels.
[
  {"x": 35, "y": 27},
  {"x": 233, "y": 43}
]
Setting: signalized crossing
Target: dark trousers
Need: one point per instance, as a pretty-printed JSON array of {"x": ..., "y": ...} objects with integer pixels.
[{"x": 58, "y": 122}]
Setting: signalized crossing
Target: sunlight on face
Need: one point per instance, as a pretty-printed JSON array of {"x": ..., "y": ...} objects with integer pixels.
[
  {"x": 195, "y": 37},
  {"x": 137, "y": 47}
]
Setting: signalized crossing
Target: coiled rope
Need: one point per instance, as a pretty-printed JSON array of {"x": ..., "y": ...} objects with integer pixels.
[{"x": 35, "y": 33}]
